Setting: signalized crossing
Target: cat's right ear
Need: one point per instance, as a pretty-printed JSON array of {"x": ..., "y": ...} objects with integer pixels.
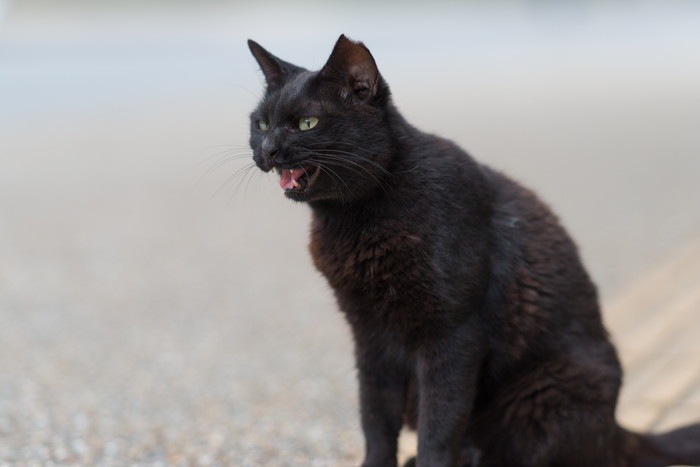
[
  {"x": 275, "y": 70},
  {"x": 352, "y": 64}
]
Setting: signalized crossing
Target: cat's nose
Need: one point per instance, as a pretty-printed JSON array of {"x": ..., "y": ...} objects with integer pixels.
[
  {"x": 270, "y": 151},
  {"x": 271, "y": 157}
]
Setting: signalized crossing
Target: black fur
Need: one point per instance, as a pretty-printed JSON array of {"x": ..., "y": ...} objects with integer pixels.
[{"x": 473, "y": 318}]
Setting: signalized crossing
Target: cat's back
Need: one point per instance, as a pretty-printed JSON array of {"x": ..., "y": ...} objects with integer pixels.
[
  {"x": 541, "y": 302},
  {"x": 529, "y": 246},
  {"x": 502, "y": 238}
]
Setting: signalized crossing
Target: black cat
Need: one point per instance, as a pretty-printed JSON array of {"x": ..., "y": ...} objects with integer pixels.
[{"x": 473, "y": 318}]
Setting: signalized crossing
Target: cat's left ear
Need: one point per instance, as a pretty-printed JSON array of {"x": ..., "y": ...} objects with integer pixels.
[
  {"x": 276, "y": 71},
  {"x": 353, "y": 64}
]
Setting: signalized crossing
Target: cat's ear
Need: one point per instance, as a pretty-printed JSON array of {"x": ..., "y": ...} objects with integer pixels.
[
  {"x": 353, "y": 64},
  {"x": 275, "y": 70}
]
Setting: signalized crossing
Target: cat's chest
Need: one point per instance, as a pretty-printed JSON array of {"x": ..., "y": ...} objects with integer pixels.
[{"x": 382, "y": 262}]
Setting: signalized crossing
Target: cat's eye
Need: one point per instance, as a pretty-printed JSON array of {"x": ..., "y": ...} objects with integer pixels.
[
  {"x": 307, "y": 123},
  {"x": 263, "y": 125}
]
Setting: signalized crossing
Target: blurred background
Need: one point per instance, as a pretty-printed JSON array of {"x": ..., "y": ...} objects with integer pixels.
[{"x": 157, "y": 301}]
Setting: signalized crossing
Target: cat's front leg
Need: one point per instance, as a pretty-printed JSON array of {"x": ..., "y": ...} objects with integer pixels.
[
  {"x": 382, "y": 403},
  {"x": 447, "y": 374}
]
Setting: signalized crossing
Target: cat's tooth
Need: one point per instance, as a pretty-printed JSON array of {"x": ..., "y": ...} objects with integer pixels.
[{"x": 295, "y": 183}]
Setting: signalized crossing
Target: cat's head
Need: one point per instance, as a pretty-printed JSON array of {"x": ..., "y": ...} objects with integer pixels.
[{"x": 325, "y": 132}]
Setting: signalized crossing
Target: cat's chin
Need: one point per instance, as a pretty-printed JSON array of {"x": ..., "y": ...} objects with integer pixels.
[{"x": 299, "y": 197}]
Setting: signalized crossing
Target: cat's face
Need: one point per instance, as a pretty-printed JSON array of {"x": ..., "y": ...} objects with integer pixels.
[{"x": 324, "y": 133}]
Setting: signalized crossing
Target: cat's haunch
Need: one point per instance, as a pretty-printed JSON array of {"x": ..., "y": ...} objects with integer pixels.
[{"x": 473, "y": 318}]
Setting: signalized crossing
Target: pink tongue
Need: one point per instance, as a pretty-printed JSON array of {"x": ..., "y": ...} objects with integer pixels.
[{"x": 289, "y": 177}]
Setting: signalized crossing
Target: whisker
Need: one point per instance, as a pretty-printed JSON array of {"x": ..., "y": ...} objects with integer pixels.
[
  {"x": 349, "y": 165},
  {"x": 223, "y": 161},
  {"x": 358, "y": 157},
  {"x": 249, "y": 175},
  {"x": 349, "y": 153},
  {"x": 333, "y": 174},
  {"x": 337, "y": 153},
  {"x": 237, "y": 145},
  {"x": 246, "y": 176},
  {"x": 230, "y": 148},
  {"x": 335, "y": 157},
  {"x": 238, "y": 173},
  {"x": 355, "y": 168},
  {"x": 344, "y": 143},
  {"x": 230, "y": 153}
]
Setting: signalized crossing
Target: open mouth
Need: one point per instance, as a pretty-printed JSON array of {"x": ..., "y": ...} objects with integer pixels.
[{"x": 297, "y": 180}]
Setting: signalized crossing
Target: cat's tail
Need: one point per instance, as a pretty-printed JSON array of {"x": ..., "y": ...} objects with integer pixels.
[{"x": 677, "y": 447}]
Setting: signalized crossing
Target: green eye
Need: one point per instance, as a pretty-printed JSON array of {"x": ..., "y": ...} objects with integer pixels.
[
  {"x": 307, "y": 123},
  {"x": 263, "y": 125}
]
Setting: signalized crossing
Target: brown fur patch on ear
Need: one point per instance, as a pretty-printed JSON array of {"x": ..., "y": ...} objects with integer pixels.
[{"x": 353, "y": 63}]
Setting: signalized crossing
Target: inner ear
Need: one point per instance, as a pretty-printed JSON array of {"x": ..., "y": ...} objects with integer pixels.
[
  {"x": 276, "y": 71},
  {"x": 353, "y": 64}
]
